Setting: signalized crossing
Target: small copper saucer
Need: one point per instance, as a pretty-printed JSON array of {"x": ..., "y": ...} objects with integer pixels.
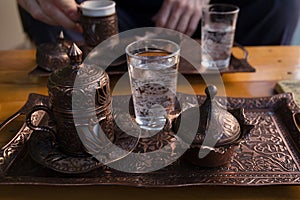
[
  {"x": 45, "y": 151},
  {"x": 40, "y": 72}
]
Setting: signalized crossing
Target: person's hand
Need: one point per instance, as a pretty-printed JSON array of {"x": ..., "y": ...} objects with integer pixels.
[
  {"x": 54, "y": 12},
  {"x": 180, "y": 15}
]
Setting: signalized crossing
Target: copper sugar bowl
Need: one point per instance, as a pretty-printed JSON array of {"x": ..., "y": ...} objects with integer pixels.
[
  {"x": 219, "y": 133},
  {"x": 75, "y": 105},
  {"x": 52, "y": 56}
]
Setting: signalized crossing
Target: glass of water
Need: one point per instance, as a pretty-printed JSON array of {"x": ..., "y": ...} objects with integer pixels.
[
  {"x": 218, "y": 29},
  {"x": 153, "y": 67}
]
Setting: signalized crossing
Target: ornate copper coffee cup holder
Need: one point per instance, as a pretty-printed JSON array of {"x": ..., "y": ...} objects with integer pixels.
[
  {"x": 80, "y": 111},
  {"x": 98, "y": 29}
]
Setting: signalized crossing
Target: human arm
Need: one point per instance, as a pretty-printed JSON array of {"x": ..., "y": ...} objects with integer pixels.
[
  {"x": 54, "y": 12},
  {"x": 180, "y": 15}
]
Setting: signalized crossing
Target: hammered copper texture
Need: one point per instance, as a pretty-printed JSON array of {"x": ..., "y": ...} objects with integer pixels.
[{"x": 269, "y": 156}]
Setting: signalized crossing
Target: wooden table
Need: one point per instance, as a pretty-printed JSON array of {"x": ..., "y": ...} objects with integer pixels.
[{"x": 272, "y": 63}]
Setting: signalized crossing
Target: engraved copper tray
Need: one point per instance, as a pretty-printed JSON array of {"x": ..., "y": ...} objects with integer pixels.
[
  {"x": 186, "y": 68},
  {"x": 119, "y": 66},
  {"x": 269, "y": 156}
]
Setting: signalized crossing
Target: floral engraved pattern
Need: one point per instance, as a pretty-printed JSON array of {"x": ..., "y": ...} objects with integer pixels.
[
  {"x": 99, "y": 28},
  {"x": 10, "y": 151},
  {"x": 52, "y": 56},
  {"x": 265, "y": 149}
]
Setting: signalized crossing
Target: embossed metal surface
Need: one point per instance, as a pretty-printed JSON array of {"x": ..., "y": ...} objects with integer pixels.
[
  {"x": 52, "y": 56},
  {"x": 9, "y": 152},
  {"x": 98, "y": 29},
  {"x": 269, "y": 156},
  {"x": 223, "y": 128},
  {"x": 74, "y": 86},
  {"x": 44, "y": 150}
]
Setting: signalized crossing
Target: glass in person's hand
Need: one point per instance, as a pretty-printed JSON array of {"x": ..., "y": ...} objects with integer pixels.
[
  {"x": 153, "y": 67},
  {"x": 98, "y": 20},
  {"x": 217, "y": 37}
]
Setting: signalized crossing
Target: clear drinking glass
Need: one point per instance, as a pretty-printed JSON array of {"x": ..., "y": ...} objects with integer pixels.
[
  {"x": 218, "y": 29},
  {"x": 153, "y": 67}
]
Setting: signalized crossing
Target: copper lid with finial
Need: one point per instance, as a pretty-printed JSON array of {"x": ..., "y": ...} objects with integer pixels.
[
  {"x": 88, "y": 77},
  {"x": 216, "y": 123},
  {"x": 219, "y": 133},
  {"x": 52, "y": 56}
]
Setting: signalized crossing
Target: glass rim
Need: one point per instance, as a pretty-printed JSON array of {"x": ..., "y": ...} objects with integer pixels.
[
  {"x": 234, "y": 8},
  {"x": 172, "y": 54}
]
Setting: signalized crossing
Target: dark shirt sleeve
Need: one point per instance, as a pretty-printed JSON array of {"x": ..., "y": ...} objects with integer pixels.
[{"x": 268, "y": 22}]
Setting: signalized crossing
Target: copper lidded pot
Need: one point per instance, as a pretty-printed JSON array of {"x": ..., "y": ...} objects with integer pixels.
[
  {"x": 84, "y": 104},
  {"x": 53, "y": 56}
]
